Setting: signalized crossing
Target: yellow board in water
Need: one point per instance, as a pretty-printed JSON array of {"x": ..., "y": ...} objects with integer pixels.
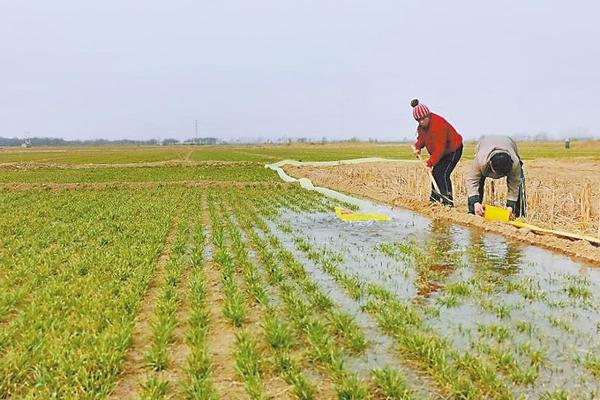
[
  {"x": 349, "y": 216},
  {"x": 496, "y": 214}
]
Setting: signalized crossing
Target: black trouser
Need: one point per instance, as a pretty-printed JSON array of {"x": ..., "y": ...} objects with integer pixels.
[
  {"x": 519, "y": 207},
  {"x": 441, "y": 174}
]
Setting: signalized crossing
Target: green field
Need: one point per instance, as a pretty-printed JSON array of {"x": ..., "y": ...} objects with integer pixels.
[
  {"x": 266, "y": 154},
  {"x": 249, "y": 288}
]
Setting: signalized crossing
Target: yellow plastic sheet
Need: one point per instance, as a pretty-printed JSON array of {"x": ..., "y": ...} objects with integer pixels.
[
  {"x": 496, "y": 214},
  {"x": 501, "y": 214},
  {"x": 564, "y": 234},
  {"x": 349, "y": 216}
]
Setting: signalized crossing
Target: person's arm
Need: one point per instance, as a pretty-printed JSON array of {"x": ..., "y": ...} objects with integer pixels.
[
  {"x": 420, "y": 143},
  {"x": 513, "y": 181},
  {"x": 473, "y": 177}
]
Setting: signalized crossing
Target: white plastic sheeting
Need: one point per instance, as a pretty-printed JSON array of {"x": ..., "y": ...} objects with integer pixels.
[{"x": 305, "y": 183}]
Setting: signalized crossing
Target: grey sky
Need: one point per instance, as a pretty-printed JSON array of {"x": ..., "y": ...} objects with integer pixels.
[{"x": 148, "y": 69}]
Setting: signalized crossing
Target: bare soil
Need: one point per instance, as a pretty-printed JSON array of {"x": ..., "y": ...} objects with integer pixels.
[{"x": 562, "y": 194}]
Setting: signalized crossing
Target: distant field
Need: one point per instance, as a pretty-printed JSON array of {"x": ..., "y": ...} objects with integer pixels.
[
  {"x": 222, "y": 172},
  {"x": 267, "y": 153}
]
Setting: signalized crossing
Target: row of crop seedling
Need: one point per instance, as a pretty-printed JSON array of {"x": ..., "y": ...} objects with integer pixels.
[
  {"x": 520, "y": 369},
  {"x": 483, "y": 289},
  {"x": 199, "y": 368},
  {"x": 319, "y": 334},
  {"x": 487, "y": 281},
  {"x": 234, "y": 307},
  {"x": 233, "y": 260},
  {"x": 309, "y": 287},
  {"x": 249, "y": 360},
  {"x": 67, "y": 336},
  {"x": 299, "y": 311},
  {"x": 458, "y": 375},
  {"x": 491, "y": 282},
  {"x": 164, "y": 321},
  {"x": 324, "y": 350},
  {"x": 311, "y": 201},
  {"x": 512, "y": 356},
  {"x": 342, "y": 324},
  {"x": 277, "y": 335}
]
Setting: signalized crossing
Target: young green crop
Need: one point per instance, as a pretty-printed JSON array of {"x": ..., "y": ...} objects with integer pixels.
[{"x": 69, "y": 333}]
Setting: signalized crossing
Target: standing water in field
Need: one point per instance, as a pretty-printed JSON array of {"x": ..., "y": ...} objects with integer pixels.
[{"x": 526, "y": 313}]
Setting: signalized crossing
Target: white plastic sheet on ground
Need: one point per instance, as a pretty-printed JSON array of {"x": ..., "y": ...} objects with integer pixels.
[{"x": 305, "y": 183}]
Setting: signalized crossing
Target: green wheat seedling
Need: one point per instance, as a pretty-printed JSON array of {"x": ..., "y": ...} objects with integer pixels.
[
  {"x": 248, "y": 363},
  {"x": 323, "y": 349},
  {"x": 592, "y": 363},
  {"x": 444, "y": 364},
  {"x": 279, "y": 337},
  {"x": 559, "y": 394},
  {"x": 516, "y": 369},
  {"x": 199, "y": 366},
  {"x": 501, "y": 311},
  {"x": 578, "y": 288},
  {"x": 251, "y": 277},
  {"x": 462, "y": 289},
  {"x": 154, "y": 389},
  {"x": 234, "y": 307},
  {"x": 529, "y": 288},
  {"x": 303, "y": 389},
  {"x": 82, "y": 278},
  {"x": 526, "y": 327},
  {"x": 352, "y": 388},
  {"x": 560, "y": 324},
  {"x": 498, "y": 332},
  {"x": 277, "y": 333},
  {"x": 391, "y": 384},
  {"x": 347, "y": 328},
  {"x": 164, "y": 324}
]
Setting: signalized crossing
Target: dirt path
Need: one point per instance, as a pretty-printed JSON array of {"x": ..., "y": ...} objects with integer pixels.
[{"x": 408, "y": 187}]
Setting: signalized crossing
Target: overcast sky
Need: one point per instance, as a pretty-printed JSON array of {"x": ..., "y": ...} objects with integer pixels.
[{"x": 149, "y": 69}]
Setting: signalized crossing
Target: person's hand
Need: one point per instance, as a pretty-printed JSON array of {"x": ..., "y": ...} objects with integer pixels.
[
  {"x": 510, "y": 210},
  {"x": 479, "y": 210},
  {"x": 416, "y": 151}
]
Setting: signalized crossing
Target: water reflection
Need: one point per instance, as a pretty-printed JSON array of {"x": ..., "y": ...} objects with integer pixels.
[
  {"x": 492, "y": 258},
  {"x": 439, "y": 259}
]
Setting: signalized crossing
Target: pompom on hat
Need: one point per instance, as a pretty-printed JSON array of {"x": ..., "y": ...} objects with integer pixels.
[{"x": 419, "y": 110}]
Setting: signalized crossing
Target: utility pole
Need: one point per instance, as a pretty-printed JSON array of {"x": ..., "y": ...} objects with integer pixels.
[{"x": 197, "y": 139}]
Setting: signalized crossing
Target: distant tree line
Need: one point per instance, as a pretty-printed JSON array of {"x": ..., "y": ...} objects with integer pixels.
[
  {"x": 15, "y": 142},
  {"x": 44, "y": 141}
]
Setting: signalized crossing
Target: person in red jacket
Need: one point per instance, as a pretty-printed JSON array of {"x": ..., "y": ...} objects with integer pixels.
[{"x": 444, "y": 145}]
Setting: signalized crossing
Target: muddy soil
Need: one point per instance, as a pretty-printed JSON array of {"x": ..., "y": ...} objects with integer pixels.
[{"x": 562, "y": 195}]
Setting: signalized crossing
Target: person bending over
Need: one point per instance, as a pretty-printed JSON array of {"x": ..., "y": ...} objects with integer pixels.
[{"x": 497, "y": 157}]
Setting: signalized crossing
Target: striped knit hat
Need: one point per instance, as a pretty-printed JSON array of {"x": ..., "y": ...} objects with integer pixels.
[{"x": 419, "y": 110}]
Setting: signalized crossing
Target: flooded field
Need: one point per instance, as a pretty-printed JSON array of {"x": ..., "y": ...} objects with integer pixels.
[{"x": 526, "y": 319}]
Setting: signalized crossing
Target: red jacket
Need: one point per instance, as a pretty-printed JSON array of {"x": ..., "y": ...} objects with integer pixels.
[{"x": 440, "y": 139}]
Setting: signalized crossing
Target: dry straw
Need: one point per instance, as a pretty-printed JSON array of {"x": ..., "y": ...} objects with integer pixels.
[{"x": 554, "y": 200}]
